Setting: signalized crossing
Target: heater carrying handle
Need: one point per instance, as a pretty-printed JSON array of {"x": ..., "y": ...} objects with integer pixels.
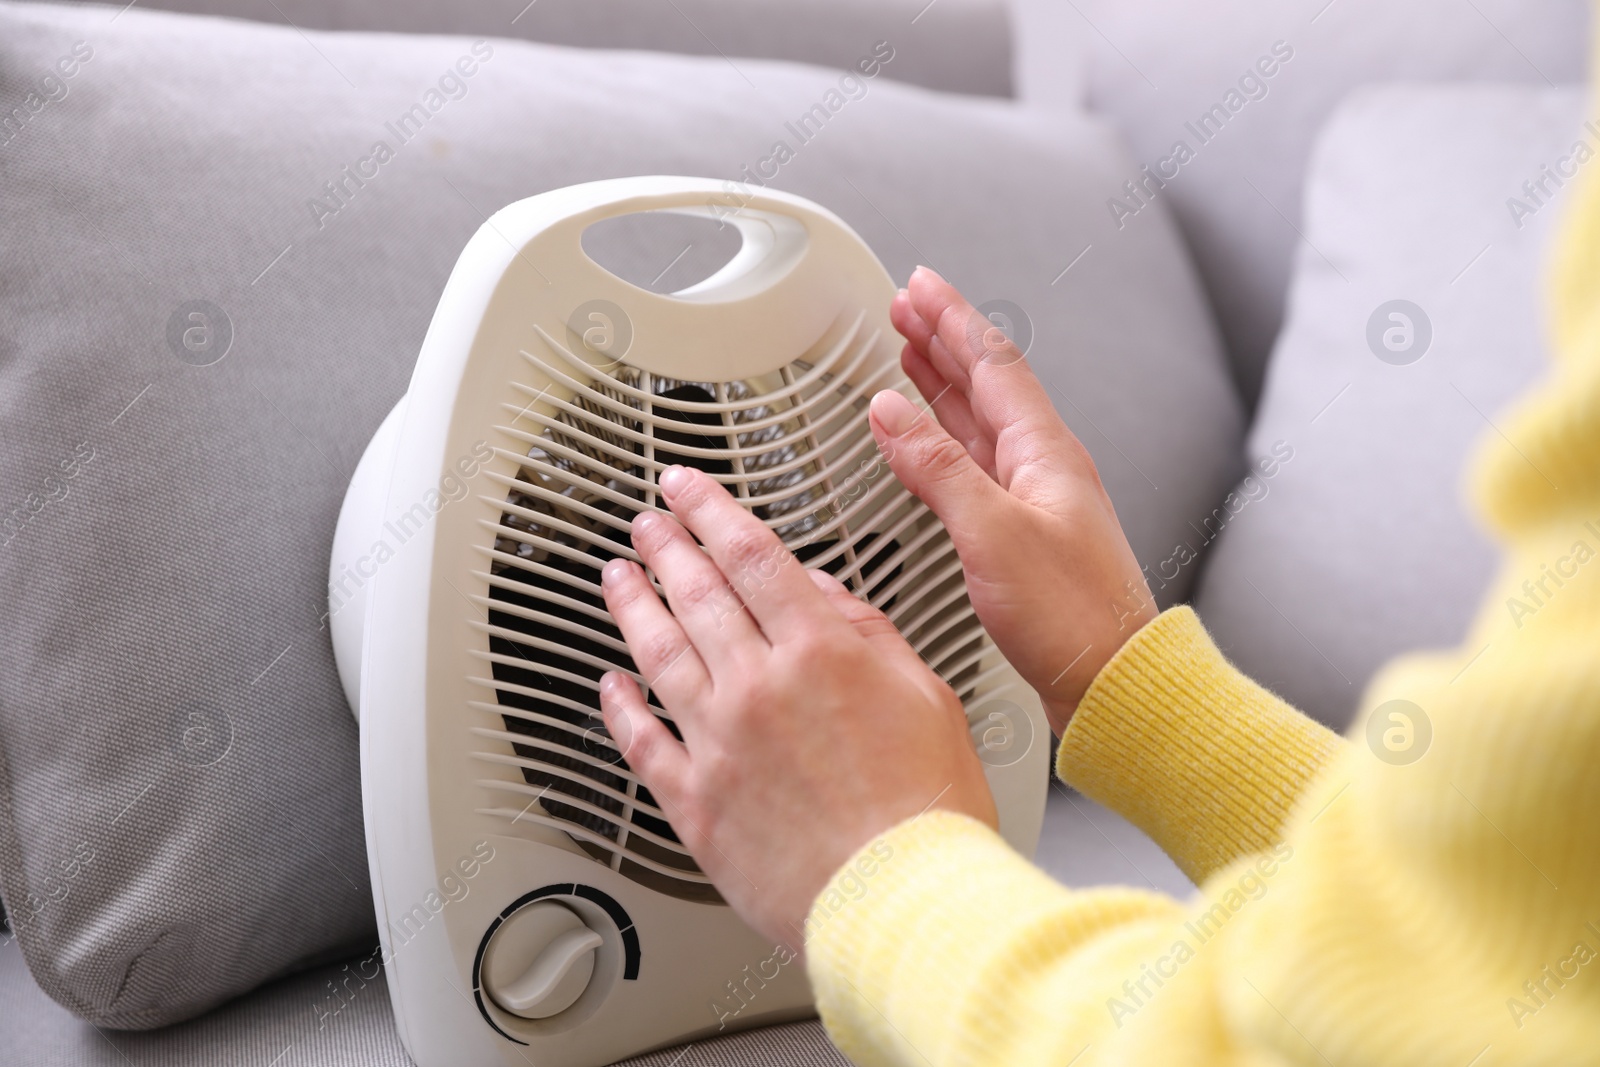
[
  {"x": 771, "y": 242},
  {"x": 775, "y": 232},
  {"x": 798, "y": 267}
]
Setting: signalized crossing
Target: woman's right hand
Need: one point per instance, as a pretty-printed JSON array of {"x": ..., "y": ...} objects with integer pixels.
[{"x": 1048, "y": 568}]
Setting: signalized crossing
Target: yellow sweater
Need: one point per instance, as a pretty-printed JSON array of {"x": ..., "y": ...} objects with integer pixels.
[{"x": 1355, "y": 910}]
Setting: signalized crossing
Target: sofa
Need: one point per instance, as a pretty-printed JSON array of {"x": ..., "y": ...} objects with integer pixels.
[{"x": 1280, "y": 265}]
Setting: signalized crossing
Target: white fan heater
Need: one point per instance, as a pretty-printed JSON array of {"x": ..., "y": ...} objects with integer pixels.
[{"x": 534, "y": 904}]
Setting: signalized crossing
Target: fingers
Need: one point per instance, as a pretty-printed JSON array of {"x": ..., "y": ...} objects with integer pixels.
[
  {"x": 660, "y": 760},
  {"x": 976, "y": 357},
  {"x": 910, "y": 324},
  {"x": 661, "y": 650},
  {"x": 711, "y": 615},
  {"x": 764, "y": 574},
  {"x": 951, "y": 406},
  {"x": 934, "y": 466}
]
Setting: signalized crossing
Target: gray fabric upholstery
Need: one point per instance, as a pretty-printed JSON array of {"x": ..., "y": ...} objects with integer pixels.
[
  {"x": 954, "y": 45},
  {"x": 1153, "y": 65},
  {"x": 1362, "y": 547},
  {"x": 291, "y": 1024},
  {"x": 303, "y": 1022},
  {"x": 195, "y": 354}
]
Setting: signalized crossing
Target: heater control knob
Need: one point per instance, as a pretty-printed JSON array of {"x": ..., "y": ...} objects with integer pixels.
[{"x": 540, "y": 960}]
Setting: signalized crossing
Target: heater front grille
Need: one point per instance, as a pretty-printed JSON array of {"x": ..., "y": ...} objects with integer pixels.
[{"x": 588, "y": 447}]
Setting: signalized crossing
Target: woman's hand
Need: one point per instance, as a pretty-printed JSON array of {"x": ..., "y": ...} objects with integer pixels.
[
  {"x": 1048, "y": 568},
  {"x": 809, "y": 725}
]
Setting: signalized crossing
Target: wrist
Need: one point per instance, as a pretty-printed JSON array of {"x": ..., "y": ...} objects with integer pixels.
[
  {"x": 1057, "y": 712},
  {"x": 1062, "y": 694}
]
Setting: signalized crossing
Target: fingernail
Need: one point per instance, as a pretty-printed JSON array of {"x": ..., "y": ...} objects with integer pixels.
[
  {"x": 673, "y": 480},
  {"x": 930, "y": 271},
  {"x": 613, "y": 572},
  {"x": 894, "y": 412},
  {"x": 642, "y": 525}
]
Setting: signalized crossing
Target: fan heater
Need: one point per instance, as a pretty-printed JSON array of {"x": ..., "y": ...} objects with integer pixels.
[{"x": 534, "y": 904}]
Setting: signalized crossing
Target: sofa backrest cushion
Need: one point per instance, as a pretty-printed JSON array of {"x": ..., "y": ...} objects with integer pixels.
[
  {"x": 954, "y": 45},
  {"x": 1162, "y": 69},
  {"x": 223, "y": 245},
  {"x": 1416, "y": 315}
]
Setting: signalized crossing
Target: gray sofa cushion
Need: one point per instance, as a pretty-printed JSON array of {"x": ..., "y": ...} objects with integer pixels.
[
  {"x": 201, "y": 331},
  {"x": 329, "y": 1017},
  {"x": 954, "y": 45},
  {"x": 1154, "y": 65},
  {"x": 1362, "y": 547}
]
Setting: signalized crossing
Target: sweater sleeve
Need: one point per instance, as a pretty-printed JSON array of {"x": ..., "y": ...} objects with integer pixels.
[
  {"x": 909, "y": 963},
  {"x": 1418, "y": 911},
  {"x": 1181, "y": 744}
]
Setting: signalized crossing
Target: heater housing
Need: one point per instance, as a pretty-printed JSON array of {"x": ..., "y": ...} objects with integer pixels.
[{"x": 533, "y": 901}]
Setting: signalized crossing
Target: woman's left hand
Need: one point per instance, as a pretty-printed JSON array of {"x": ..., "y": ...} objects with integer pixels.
[{"x": 809, "y": 725}]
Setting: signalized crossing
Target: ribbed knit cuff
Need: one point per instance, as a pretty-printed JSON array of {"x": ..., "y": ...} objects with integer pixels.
[
  {"x": 1175, "y": 739},
  {"x": 915, "y": 948}
]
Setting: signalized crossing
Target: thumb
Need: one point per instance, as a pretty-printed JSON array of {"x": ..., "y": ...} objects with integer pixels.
[{"x": 934, "y": 465}]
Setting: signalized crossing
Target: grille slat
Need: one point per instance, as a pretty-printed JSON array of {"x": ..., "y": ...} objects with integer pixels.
[
  {"x": 823, "y": 367},
  {"x": 620, "y": 796},
  {"x": 687, "y": 453},
  {"x": 577, "y": 629},
  {"x": 515, "y": 636},
  {"x": 599, "y": 404},
  {"x": 520, "y": 740},
  {"x": 665, "y": 844},
  {"x": 579, "y": 606},
  {"x": 512, "y": 687},
  {"x": 689, "y": 875},
  {"x": 591, "y": 737}
]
